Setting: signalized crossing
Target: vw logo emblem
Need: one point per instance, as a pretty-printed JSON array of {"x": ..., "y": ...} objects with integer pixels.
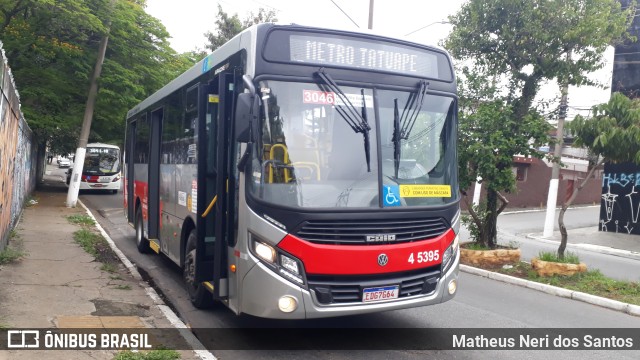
[{"x": 383, "y": 259}]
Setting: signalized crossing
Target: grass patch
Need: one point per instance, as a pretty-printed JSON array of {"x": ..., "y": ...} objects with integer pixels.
[
  {"x": 115, "y": 277},
  {"x": 96, "y": 245},
  {"x": 148, "y": 355},
  {"x": 108, "y": 267},
  {"x": 11, "y": 253},
  {"x": 569, "y": 257},
  {"x": 123, "y": 287},
  {"x": 475, "y": 246},
  {"x": 84, "y": 220},
  {"x": 89, "y": 241},
  {"x": 590, "y": 282}
]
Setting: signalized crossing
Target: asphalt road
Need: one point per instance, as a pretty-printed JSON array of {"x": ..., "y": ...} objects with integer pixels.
[{"x": 480, "y": 303}]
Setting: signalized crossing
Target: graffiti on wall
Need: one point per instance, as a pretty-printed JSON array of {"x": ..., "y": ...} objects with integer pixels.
[
  {"x": 17, "y": 154},
  {"x": 620, "y": 204}
]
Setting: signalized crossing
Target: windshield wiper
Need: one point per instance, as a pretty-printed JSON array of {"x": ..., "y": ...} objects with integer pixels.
[
  {"x": 396, "y": 138},
  {"x": 402, "y": 125},
  {"x": 357, "y": 121}
]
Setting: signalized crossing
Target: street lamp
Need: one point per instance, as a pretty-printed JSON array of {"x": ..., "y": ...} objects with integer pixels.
[{"x": 426, "y": 26}]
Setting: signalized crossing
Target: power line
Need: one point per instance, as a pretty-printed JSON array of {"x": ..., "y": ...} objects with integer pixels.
[
  {"x": 426, "y": 26},
  {"x": 347, "y": 15}
]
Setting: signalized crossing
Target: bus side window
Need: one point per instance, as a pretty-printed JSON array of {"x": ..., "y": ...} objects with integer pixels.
[{"x": 142, "y": 140}]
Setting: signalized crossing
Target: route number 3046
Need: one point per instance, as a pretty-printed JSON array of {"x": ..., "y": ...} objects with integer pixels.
[{"x": 424, "y": 256}]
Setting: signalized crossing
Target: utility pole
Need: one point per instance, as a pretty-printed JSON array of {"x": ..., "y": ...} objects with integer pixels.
[
  {"x": 370, "y": 14},
  {"x": 557, "y": 154},
  {"x": 78, "y": 160}
]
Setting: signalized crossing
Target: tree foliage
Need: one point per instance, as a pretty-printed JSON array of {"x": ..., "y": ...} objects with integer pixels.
[
  {"x": 490, "y": 135},
  {"x": 520, "y": 44},
  {"x": 529, "y": 41},
  {"x": 612, "y": 132},
  {"x": 52, "y": 47},
  {"x": 229, "y": 26}
]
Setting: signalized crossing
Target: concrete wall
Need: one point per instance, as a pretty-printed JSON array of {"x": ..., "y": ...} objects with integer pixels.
[
  {"x": 620, "y": 204},
  {"x": 18, "y": 154},
  {"x": 533, "y": 187}
]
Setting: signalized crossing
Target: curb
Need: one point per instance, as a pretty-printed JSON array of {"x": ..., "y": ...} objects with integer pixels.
[
  {"x": 590, "y": 247},
  {"x": 544, "y": 210},
  {"x": 556, "y": 291},
  {"x": 171, "y": 316}
]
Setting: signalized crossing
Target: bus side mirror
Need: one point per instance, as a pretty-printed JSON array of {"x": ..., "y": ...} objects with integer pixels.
[{"x": 247, "y": 108}]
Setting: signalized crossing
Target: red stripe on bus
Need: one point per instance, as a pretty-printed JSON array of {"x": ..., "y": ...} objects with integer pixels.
[{"x": 363, "y": 259}]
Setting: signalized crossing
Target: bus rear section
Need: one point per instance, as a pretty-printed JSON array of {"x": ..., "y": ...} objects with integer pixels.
[{"x": 302, "y": 173}]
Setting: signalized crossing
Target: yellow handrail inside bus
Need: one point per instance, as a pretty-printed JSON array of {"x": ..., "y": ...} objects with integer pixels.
[
  {"x": 285, "y": 160},
  {"x": 213, "y": 202}
]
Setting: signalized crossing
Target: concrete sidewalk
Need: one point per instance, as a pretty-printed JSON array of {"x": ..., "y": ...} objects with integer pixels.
[
  {"x": 590, "y": 238},
  {"x": 59, "y": 285}
]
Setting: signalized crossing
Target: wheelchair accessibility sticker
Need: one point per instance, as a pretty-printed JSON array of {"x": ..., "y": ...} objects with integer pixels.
[{"x": 391, "y": 195}]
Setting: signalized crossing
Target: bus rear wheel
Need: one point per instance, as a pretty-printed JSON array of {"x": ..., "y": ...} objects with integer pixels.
[
  {"x": 200, "y": 297},
  {"x": 141, "y": 243}
]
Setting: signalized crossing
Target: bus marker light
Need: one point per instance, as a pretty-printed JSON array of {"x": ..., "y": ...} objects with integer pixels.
[
  {"x": 289, "y": 264},
  {"x": 287, "y": 304},
  {"x": 453, "y": 286},
  {"x": 232, "y": 267}
]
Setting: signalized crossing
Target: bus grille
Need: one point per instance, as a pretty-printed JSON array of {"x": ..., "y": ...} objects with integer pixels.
[
  {"x": 355, "y": 232},
  {"x": 348, "y": 288}
]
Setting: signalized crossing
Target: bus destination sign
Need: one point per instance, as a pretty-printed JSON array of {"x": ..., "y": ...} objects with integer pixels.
[{"x": 356, "y": 53}]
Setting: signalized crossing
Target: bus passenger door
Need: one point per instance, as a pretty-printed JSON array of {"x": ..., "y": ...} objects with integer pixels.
[
  {"x": 154, "y": 176},
  {"x": 213, "y": 198},
  {"x": 128, "y": 171}
]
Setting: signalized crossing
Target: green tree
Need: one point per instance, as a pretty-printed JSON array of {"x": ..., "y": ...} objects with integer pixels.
[
  {"x": 227, "y": 27},
  {"x": 52, "y": 46},
  {"x": 611, "y": 134},
  {"x": 522, "y": 44},
  {"x": 489, "y": 136}
]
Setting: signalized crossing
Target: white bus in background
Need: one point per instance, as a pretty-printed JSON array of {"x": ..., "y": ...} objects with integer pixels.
[{"x": 101, "y": 169}]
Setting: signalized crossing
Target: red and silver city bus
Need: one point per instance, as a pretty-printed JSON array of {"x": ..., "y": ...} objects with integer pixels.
[
  {"x": 301, "y": 172},
  {"x": 101, "y": 169}
]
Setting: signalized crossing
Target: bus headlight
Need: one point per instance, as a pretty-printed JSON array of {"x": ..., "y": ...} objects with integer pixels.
[
  {"x": 450, "y": 253},
  {"x": 265, "y": 252},
  {"x": 284, "y": 264}
]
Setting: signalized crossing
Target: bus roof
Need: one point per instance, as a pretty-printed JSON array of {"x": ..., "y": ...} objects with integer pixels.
[{"x": 103, "y": 145}]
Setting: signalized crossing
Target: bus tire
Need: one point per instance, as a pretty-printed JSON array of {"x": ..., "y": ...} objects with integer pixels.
[
  {"x": 141, "y": 243},
  {"x": 200, "y": 297}
]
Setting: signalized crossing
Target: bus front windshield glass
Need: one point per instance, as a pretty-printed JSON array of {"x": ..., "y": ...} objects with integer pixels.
[
  {"x": 324, "y": 149},
  {"x": 101, "y": 161}
]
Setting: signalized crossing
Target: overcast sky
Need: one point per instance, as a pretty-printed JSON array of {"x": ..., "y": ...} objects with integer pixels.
[{"x": 188, "y": 20}]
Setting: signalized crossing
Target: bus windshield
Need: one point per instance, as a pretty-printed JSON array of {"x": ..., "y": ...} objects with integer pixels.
[
  {"x": 101, "y": 161},
  {"x": 311, "y": 154}
]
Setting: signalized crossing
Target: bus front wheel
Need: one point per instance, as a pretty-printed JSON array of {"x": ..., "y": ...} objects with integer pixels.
[
  {"x": 141, "y": 243},
  {"x": 200, "y": 297}
]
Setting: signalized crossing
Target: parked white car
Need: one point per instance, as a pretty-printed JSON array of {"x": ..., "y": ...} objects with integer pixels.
[{"x": 64, "y": 162}]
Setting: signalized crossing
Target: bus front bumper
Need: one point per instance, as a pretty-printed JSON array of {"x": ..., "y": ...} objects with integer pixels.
[
  {"x": 100, "y": 186},
  {"x": 262, "y": 291}
]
